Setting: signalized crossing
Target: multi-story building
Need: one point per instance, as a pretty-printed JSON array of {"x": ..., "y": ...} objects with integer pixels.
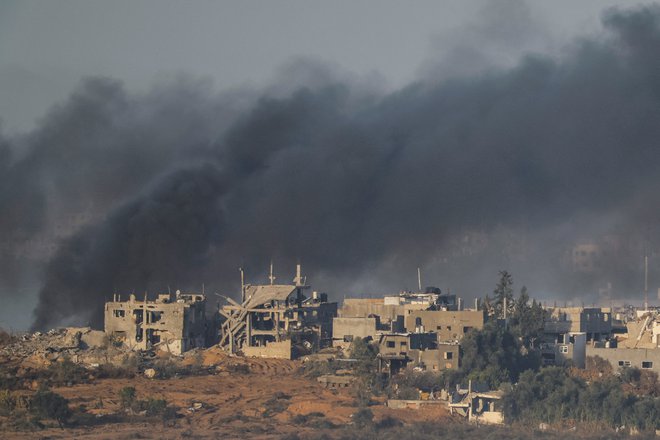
[{"x": 172, "y": 322}]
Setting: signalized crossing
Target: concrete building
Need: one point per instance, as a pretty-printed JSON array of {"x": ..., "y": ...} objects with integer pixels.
[
  {"x": 594, "y": 321},
  {"x": 570, "y": 349},
  {"x": 449, "y": 325},
  {"x": 642, "y": 358},
  {"x": 277, "y": 320},
  {"x": 421, "y": 350},
  {"x": 173, "y": 322},
  {"x": 390, "y": 307},
  {"x": 479, "y": 407}
]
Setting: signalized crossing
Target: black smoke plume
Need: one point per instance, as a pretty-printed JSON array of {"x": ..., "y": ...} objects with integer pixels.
[{"x": 505, "y": 169}]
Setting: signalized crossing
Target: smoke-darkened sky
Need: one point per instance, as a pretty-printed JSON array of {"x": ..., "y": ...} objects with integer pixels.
[{"x": 150, "y": 145}]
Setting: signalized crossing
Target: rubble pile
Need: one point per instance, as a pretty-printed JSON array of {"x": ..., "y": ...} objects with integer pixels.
[{"x": 79, "y": 344}]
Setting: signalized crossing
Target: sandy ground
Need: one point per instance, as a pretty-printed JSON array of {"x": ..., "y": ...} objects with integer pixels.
[{"x": 234, "y": 406}]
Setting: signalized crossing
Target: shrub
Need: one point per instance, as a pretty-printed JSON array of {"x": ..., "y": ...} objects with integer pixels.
[
  {"x": 238, "y": 368},
  {"x": 166, "y": 368},
  {"x": 7, "y": 402},
  {"x": 110, "y": 371},
  {"x": 363, "y": 418},
  {"x": 276, "y": 404},
  {"x": 50, "y": 405},
  {"x": 65, "y": 372},
  {"x": 128, "y": 397}
]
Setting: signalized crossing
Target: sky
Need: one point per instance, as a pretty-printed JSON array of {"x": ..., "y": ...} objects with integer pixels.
[
  {"x": 46, "y": 47},
  {"x": 464, "y": 137}
]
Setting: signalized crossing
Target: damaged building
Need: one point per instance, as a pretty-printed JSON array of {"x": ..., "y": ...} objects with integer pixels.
[
  {"x": 172, "y": 322},
  {"x": 412, "y": 329},
  {"x": 420, "y": 350},
  {"x": 277, "y": 320}
]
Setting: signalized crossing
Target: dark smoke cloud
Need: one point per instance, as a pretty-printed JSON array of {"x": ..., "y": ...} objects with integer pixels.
[
  {"x": 161, "y": 237},
  {"x": 465, "y": 176}
]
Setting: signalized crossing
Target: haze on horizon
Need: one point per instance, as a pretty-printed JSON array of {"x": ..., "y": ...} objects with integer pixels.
[{"x": 147, "y": 144}]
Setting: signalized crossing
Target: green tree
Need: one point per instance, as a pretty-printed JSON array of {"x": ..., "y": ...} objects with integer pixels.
[
  {"x": 50, "y": 405},
  {"x": 502, "y": 294},
  {"x": 493, "y": 355},
  {"x": 527, "y": 319}
]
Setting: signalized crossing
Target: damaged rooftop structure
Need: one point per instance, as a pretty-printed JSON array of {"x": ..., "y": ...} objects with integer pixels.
[
  {"x": 277, "y": 320},
  {"x": 172, "y": 322}
]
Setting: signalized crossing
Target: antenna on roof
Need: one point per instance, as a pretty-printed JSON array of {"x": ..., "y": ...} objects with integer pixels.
[
  {"x": 202, "y": 288},
  {"x": 419, "y": 279},
  {"x": 298, "y": 279},
  {"x": 242, "y": 285},
  {"x": 646, "y": 281},
  {"x": 271, "y": 277}
]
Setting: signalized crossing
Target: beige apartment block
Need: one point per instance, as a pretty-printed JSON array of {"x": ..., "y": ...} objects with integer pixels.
[
  {"x": 449, "y": 325},
  {"x": 172, "y": 322}
]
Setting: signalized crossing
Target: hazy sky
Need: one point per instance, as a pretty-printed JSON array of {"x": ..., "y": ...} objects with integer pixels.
[{"x": 46, "y": 47}]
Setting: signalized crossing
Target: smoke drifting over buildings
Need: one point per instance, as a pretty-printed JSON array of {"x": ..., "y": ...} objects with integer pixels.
[{"x": 507, "y": 169}]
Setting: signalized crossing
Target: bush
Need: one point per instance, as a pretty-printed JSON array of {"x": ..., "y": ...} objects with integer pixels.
[
  {"x": 363, "y": 418},
  {"x": 315, "y": 369},
  {"x": 166, "y": 368},
  {"x": 276, "y": 404},
  {"x": 50, "y": 405},
  {"x": 238, "y": 368},
  {"x": 153, "y": 407},
  {"x": 110, "y": 371},
  {"x": 127, "y": 395},
  {"x": 7, "y": 402},
  {"x": 65, "y": 373}
]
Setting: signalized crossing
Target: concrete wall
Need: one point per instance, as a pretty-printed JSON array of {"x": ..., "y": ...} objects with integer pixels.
[
  {"x": 278, "y": 350},
  {"x": 363, "y": 307},
  {"x": 446, "y": 356},
  {"x": 450, "y": 325},
  {"x": 345, "y": 329},
  {"x": 633, "y": 356}
]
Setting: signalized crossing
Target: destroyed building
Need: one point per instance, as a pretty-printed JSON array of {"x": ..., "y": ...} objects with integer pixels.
[
  {"x": 277, "y": 320},
  {"x": 412, "y": 329},
  {"x": 638, "y": 347},
  {"x": 449, "y": 325},
  {"x": 595, "y": 322},
  {"x": 420, "y": 350},
  {"x": 172, "y": 322}
]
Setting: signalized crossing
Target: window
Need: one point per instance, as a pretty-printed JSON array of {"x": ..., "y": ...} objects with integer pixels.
[
  {"x": 449, "y": 328},
  {"x": 418, "y": 322},
  {"x": 119, "y": 313},
  {"x": 439, "y": 327},
  {"x": 624, "y": 363},
  {"x": 466, "y": 329},
  {"x": 404, "y": 343},
  {"x": 563, "y": 349},
  {"x": 390, "y": 344},
  {"x": 449, "y": 355},
  {"x": 348, "y": 338},
  {"x": 647, "y": 365}
]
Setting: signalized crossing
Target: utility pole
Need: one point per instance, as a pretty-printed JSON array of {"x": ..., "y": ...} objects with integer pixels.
[{"x": 419, "y": 279}]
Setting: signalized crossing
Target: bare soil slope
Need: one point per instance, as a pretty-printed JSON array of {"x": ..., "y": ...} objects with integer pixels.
[{"x": 262, "y": 401}]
